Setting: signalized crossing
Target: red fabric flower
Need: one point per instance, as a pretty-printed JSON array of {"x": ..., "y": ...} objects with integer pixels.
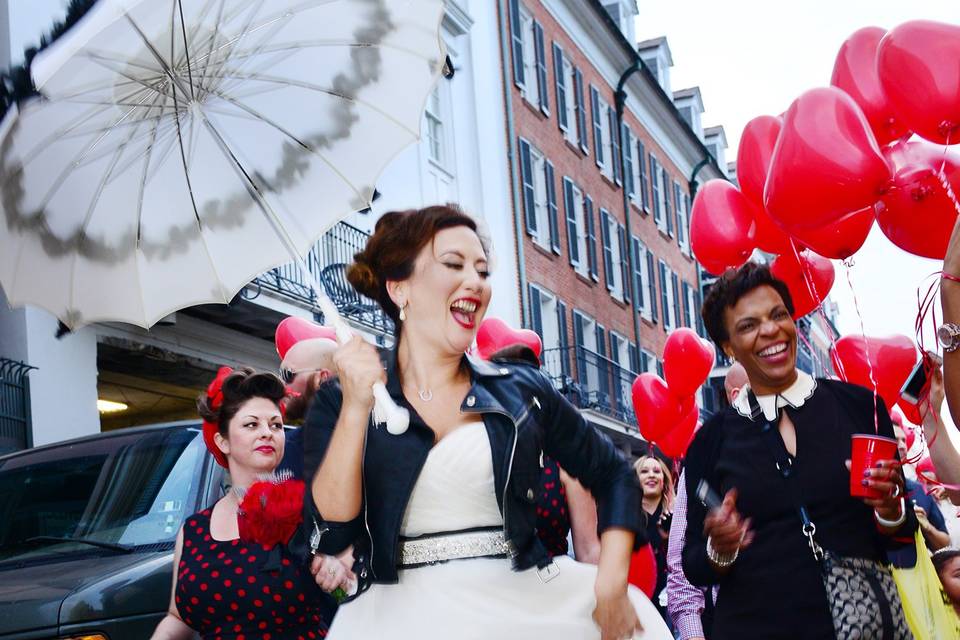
[
  {"x": 215, "y": 397},
  {"x": 270, "y": 511}
]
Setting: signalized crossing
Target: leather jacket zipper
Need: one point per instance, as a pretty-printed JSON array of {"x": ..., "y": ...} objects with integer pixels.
[{"x": 513, "y": 450}]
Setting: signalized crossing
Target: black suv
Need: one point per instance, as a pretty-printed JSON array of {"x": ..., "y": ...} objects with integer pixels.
[{"x": 87, "y": 529}]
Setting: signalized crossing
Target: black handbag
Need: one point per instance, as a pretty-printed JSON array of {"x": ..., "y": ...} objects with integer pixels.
[{"x": 863, "y": 597}]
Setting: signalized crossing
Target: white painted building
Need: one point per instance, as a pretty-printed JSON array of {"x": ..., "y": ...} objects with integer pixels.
[{"x": 462, "y": 158}]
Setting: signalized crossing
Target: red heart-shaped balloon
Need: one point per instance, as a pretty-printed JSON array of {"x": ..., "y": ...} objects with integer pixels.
[
  {"x": 657, "y": 409},
  {"x": 918, "y": 214},
  {"x": 494, "y": 334},
  {"x": 757, "y": 142},
  {"x": 292, "y": 330},
  {"x": 643, "y": 570},
  {"x": 721, "y": 226},
  {"x": 919, "y": 67},
  {"x": 826, "y": 164},
  {"x": 855, "y": 71},
  {"x": 687, "y": 361},
  {"x": 809, "y": 279},
  {"x": 675, "y": 442},
  {"x": 890, "y": 357},
  {"x": 841, "y": 239}
]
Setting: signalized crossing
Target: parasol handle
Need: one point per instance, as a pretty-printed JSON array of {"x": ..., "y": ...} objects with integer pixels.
[{"x": 385, "y": 410}]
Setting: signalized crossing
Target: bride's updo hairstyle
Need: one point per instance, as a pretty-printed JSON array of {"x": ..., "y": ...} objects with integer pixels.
[{"x": 393, "y": 248}]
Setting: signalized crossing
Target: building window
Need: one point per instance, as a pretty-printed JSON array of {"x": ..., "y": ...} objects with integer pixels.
[
  {"x": 641, "y": 168},
  {"x": 606, "y": 137},
  {"x": 648, "y": 362},
  {"x": 568, "y": 117},
  {"x": 540, "y": 198},
  {"x": 668, "y": 297},
  {"x": 645, "y": 287},
  {"x": 666, "y": 192},
  {"x": 531, "y": 77},
  {"x": 435, "y": 132},
  {"x": 657, "y": 186},
  {"x": 549, "y": 320},
  {"x": 581, "y": 234},
  {"x": 585, "y": 339},
  {"x": 614, "y": 256}
]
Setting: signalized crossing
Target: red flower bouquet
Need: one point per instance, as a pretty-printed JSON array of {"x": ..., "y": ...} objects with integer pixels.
[{"x": 271, "y": 511}]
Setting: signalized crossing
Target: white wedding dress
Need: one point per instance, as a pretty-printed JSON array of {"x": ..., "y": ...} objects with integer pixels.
[{"x": 478, "y": 597}]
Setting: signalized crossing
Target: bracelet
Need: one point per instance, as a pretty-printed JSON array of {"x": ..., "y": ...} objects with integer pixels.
[
  {"x": 722, "y": 560},
  {"x": 892, "y": 524},
  {"x": 949, "y": 276}
]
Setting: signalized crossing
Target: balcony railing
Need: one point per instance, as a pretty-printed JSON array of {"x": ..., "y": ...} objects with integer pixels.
[
  {"x": 592, "y": 381},
  {"x": 328, "y": 261}
]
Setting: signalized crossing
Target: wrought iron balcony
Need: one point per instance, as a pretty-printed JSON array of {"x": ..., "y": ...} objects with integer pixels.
[
  {"x": 328, "y": 261},
  {"x": 591, "y": 381}
]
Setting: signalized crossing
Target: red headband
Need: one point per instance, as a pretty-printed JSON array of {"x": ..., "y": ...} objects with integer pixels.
[{"x": 215, "y": 401}]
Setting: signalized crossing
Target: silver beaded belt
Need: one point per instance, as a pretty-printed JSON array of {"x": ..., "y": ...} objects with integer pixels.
[{"x": 431, "y": 549}]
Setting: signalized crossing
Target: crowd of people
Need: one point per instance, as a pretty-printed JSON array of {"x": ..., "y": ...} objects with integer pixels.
[{"x": 501, "y": 512}]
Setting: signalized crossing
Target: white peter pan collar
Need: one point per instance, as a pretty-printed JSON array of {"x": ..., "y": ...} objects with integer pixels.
[{"x": 794, "y": 396}]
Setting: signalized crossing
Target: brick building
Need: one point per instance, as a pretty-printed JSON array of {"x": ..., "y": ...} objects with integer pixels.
[{"x": 602, "y": 285}]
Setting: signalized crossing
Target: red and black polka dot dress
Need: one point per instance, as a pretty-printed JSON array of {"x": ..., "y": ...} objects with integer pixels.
[
  {"x": 553, "y": 519},
  {"x": 231, "y": 590}
]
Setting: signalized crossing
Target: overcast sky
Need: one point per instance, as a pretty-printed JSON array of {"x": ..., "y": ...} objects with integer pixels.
[{"x": 753, "y": 57}]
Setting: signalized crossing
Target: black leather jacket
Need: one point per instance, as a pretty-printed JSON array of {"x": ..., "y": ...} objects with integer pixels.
[{"x": 524, "y": 415}]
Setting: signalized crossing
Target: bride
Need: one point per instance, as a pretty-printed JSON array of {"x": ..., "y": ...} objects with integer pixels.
[{"x": 441, "y": 518}]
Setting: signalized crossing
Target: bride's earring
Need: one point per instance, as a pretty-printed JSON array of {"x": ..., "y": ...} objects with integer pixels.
[{"x": 403, "y": 316}]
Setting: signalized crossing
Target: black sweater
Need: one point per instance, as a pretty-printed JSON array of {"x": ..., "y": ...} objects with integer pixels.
[{"x": 774, "y": 589}]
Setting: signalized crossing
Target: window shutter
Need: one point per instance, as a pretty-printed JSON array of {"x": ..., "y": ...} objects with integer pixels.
[
  {"x": 561, "y": 87},
  {"x": 578, "y": 350},
  {"x": 637, "y": 275},
  {"x": 667, "y": 200},
  {"x": 563, "y": 338},
  {"x": 687, "y": 303},
  {"x": 516, "y": 36},
  {"x": 675, "y": 285},
  {"x": 526, "y": 177},
  {"x": 536, "y": 311},
  {"x": 541, "y": 57},
  {"x": 664, "y": 299},
  {"x": 626, "y": 140},
  {"x": 597, "y": 126},
  {"x": 655, "y": 182},
  {"x": 686, "y": 223},
  {"x": 552, "y": 206},
  {"x": 660, "y": 367},
  {"x": 607, "y": 248},
  {"x": 652, "y": 285},
  {"x": 614, "y": 145},
  {"x": 581, "y": 110},
  {"x": 644, "y": 183},
  {"x": 591, "y": 238},
  {"x": 634, "y": 358},
  {"x": 699, "y": 302},
  {"x": 644, "y": 361},
  {"x": 602, "y": 364},
  {"x": 624, "y": 262},
  {"x": 568, "y": 204}
]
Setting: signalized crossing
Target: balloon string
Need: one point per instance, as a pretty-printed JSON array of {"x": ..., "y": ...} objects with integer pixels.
[{"x": 866, "y": 345}]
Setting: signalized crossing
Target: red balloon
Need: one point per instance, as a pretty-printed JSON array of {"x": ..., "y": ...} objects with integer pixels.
[
  {"x": 919, "y": 68},
  {"x": 643, "y": 570},
  {"x": 757, "y": 142},
  {"x": 911, "y": 411},
  {"x": 657, "y": 409},
  {"x": 687, "y": 361},
  {"x": 855, "y": 71},
  {"x": 918, "y": 214},
  {"x": 891, "y": 358},
  {"x": 841, "y": 239},
  {"x": 721, "y": 226},
  {"x": 910, "y": 435},
  {"x": 676, "y": 441},
  {"x": 494, "y": 334},
  {"x": 809, "y": 279},
  {"x": 826, "y": 164},
  {"x": 292, "y": 330}
]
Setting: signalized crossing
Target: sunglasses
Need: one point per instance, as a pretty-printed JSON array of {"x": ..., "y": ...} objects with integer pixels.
[{"x": 288, "y": 375}]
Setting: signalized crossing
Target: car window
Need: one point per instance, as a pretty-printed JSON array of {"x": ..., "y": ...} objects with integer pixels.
[{"x": 132, "y": 489}]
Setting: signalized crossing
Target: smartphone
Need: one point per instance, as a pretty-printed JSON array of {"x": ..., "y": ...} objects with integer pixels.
[
  {"x": 708, "y": 496},
  {"x": 914, "y": 389}
]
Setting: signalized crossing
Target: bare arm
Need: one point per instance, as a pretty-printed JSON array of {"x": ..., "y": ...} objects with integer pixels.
[
  {"x": 614, "y": 614},
  {"x": 583, "y": 519},
  {"x": 172, "y": 627},
  {"x": 950, "y": 299},
  {"x": 337, "y": 486},
  {"x": 943, "y": 448}
]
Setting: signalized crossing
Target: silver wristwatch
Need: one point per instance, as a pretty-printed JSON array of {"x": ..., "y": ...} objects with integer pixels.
[{"x": 949, "y": 336}]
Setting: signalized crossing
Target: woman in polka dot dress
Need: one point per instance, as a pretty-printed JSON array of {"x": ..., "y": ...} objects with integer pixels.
[
  {"x": 226, "y": 587},
  {"x": 565, "y": 507}
]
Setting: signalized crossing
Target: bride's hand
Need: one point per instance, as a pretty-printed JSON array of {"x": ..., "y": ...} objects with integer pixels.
[{"x": 616, "y": 616}]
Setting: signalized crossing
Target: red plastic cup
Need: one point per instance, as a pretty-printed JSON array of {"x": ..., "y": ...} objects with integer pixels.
[{"x": 866, "y": 452}]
